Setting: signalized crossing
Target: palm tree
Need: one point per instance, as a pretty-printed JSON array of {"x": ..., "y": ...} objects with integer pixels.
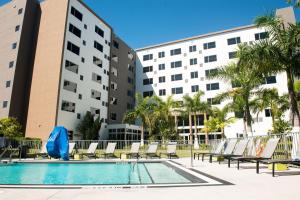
[
  {"x": 269, "y": 98},
  {"x": 138, "y": 113},
  {"x": 220, "y": 116},
  {"x": 279, "y": 53},
  {"x": 244, "y": 81},
  {"x": 194, "y": 106},
  {"x": 295, "y": 3},
  {"x": 166, "y": 121}
]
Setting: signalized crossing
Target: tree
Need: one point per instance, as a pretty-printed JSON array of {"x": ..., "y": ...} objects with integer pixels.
[
  {"x": 295, "y": 3},
  {"x": 220, "y": 120},
  {"x": 194, "y": 106},
  {"x": 88, "y": 127},
  {"x": 279, "y": 53},
  {"x": 10, "y": 127},
  {"x": 244, "y": 81},
  {"x": 166, "y": 122}
]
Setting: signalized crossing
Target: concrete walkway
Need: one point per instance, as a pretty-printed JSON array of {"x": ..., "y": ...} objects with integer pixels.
[{"x": 247, "y": 186}]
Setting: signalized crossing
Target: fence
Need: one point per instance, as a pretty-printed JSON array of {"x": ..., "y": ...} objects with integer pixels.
[{"x": 284, "y": 150}]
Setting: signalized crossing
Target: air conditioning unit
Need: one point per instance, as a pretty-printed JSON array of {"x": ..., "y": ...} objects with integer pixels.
[
  {"x": 155, "y": 72},
  {"x": 155, "y": 85},
  {"x": 155, "y": 60},
  {"x": 186, "y": 80},
  {"x": 201, "y": 78},
  {"x": 200, "y": 51},
  {"x": 185, "y": 67},
  {"x": 201, "y": 65},
  {"x": 184, "y": 54}
]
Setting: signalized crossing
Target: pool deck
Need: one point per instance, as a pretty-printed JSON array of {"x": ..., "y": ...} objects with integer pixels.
[{"x": 247, "y": 185}]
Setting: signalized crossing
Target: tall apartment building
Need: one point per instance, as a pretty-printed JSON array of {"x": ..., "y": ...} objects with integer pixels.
[
  {"x": 69, "y": 72},
  {"x": 18, "y": 29},
  {"x": 122, "y": 80},
  {"x": 181, "y": 67}
]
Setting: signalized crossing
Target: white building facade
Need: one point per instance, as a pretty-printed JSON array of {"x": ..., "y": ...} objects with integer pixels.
[{"x": 181, "y": 67}]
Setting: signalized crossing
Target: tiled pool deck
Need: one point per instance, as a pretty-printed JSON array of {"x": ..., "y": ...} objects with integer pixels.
[{"x": 247, "y": 185}]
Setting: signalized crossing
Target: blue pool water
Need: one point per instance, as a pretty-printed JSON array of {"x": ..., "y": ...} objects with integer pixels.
[{"x": 89, "y": 173}]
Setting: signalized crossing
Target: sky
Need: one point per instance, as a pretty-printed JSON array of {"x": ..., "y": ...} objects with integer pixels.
[{"x": 146, "y": 22}]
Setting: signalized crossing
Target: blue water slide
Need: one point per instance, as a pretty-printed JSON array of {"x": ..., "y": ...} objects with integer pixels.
[{"x": 58, "y": 143}]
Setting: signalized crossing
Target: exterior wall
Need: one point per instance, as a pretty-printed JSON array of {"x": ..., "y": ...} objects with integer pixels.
[
  {"x": 47, "y": 68},
  {"x": 122, "y": 70},
  {"x": 71, "y": 119},
  {"x": 19, "y": 74},
  {"x": 246, "y": 34}
]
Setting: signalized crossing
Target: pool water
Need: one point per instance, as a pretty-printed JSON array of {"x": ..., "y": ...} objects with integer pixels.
[{"x": 89, "y": 174}]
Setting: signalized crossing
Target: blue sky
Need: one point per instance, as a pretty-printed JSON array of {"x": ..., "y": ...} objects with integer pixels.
[{"x": 145, "y": 22}]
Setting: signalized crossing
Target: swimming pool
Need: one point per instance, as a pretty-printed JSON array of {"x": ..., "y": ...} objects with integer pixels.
[{"x": 96, "y": 173}]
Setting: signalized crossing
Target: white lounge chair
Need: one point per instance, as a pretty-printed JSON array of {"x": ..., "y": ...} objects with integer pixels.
[
  {"x": 134, "y": 151},
  {"x": 91, "y": 152},
  {"x": 110, "y": 150}
]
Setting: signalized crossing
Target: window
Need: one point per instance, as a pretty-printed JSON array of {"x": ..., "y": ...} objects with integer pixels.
[
  {"x": 209, "y": 45},
  {"x": 14, "y": 45},
  {"x": 129, "y": 93},
  {"x": 161, "y": 67},
  {"x": 4, "y": 104},
  {"x": 162, "y": 92},
  {"x": 195, "y": 88},
  {"x": 129, "y": 106},
  {"x": 95, "y": 94},
  {"x": 193, "y": 61},
  {"x": 193, "y": 48},
  {"x": 161, "y": 54},
  {"x": 147, "y": 57},
  {"x": 70, "y": 66},
  {"x": 261, "y": 36},
  {"x": 147, "y": 69},
  {"x": 178, "y": 90},
  {"x": 76, "y": 13},
  {"x": 235, "y": 40},
  {"x": 194, "y": 74},
  {"x": 176, "y": 77},
  {"x": 79, "y": 96},
  {"x": 11, "y": 64},
  {"x": 161, "y": 79},
  {"x": 84, "y": 42},
  {"x": 212, "y": 58},
  {"x": 176, "y": 64},
  {"x": 20, "y": 11},
  {"x": 148, "y": 93},
  {"x": 113, "y": 116},
  {"x": 212, "y": 86},
  {"x": 73, "y": 48},
  {"x": 148, "y": 81},
  {"x": 270, "y": 80},
  {"x": 7, "y": 84},
  {"x": 70, "y": 86},
  {"x": 78, "y": 116},
  {"x": 97, "y": 78},
  {"x": 98, "y": 46},
  {"x": 174, "y": 52},
  {"x": 268, "y": 113},
  {"x": 232, "y": 54},
  {"x": 129, "y": 80},
  {"x": 97, "y": 61},
  {"x": 17, "y": 28},
  {"x": 213, "y": 101},
  {"x": 81, "y": 77},
  {"x": 99, "y": 31},
  {"x": 116, "y": 44},
  {"x": 68, "y": 106},
  {"x": 85, "y": 26},
  {"x": 76, "y": 31},
  {"x": 210, "y": 71},
  {"x": 82, "y": 59}
]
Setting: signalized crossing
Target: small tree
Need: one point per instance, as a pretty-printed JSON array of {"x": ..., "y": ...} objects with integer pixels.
[
  {"x": 88, "y": 127},
  {"x": 10, "y": 127}
]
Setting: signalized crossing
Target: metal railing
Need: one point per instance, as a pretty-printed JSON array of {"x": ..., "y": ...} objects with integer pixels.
[{"x": 283, "y": 150}]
